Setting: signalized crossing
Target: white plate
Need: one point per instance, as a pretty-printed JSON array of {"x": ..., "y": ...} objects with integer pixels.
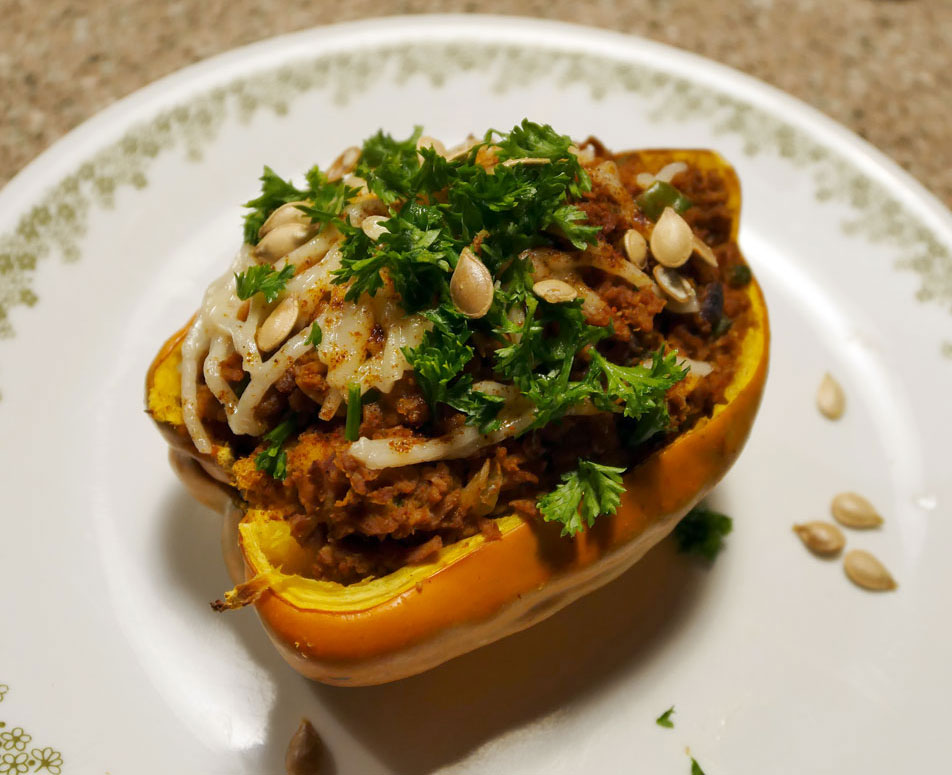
[{"x": 112, "y": 661}]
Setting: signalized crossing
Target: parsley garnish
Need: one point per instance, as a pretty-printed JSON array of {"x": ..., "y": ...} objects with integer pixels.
[
  {"x": 438, "y": 361},
  {"x": 584, "y": 495},
  {"x": 273, "y": 460},
  {"x": 275, "y": 191},
  {"x": 702, "y": 532},
  {"x": 326, "y": 199},
  {"x": 695, "y": 767},
  {"x": 638, "y": 391},
  {"x": 664, "y": 720},
  {"x": 264, "y": 280},
  {"x": 316, "y": 336}
]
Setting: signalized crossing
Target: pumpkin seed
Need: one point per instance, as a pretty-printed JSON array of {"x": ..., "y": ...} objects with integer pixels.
[
  {"x": 704, "y": 251},
  {"x": 867, "y": 572},
  {"x": 830, "y": 398},
  {"x": 672, "y": 240},
  {"x": 822, "y": 538},
  {"x": 372, "y": 228},
  {"x": 305, "y": 751},
  {"x": 278, "y": 324},
  {"x": 431, "y": 142},
  {"x": 674, "y": 285},
  {"x": 281, "y": 240},
  {"x": 344, "y": 163},
  {"x": 853, "y": 510},
  {"x": 554, "y": 291},
  {"x": 635, "y": 247},
  {"x": 471, "y": 286},
  {"x": 286, "y": 213}
]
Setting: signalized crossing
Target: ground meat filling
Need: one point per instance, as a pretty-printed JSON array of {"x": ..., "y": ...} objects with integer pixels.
[{"x": 360, "y": 522}]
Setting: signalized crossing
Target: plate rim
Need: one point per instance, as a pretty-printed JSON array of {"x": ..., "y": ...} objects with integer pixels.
[{"x": 251, "y": 56}]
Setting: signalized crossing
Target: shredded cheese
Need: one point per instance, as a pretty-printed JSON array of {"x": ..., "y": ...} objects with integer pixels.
[{"x": 219, "y": 331}]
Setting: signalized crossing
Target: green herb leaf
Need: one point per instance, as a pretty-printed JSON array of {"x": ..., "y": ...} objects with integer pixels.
[
  {"x": 416, "y": 251},
  {"x": 438, "y": 362},
  {"x": 664, "y": 720},
  {"x": 584, "y": 495},
  {"x": 638, "y": 390},
  {"x": 275, "y": 191},
  {"x": 695, "y": 767},
  {"x": 659, "y": 195},
  {"x": 326, "y": 198},
  {"x": 273, "y": 460},
  {"x": 390, "y": 166},
  {"x": 539, "y": 141},
  {"x": 354, "y": 412},
  {"x": 264, "y": 280},
  {"x": 316, "y": 336},
  {"x": 702, "y": 532},
  {"x": 566, "y": 220}
]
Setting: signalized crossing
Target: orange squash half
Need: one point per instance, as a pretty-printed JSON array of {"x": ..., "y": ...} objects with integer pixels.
[{"x": 476, "y": 590}]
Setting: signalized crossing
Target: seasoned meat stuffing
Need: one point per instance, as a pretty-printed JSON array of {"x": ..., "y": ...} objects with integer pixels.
[{"x": 361, "y": 522}]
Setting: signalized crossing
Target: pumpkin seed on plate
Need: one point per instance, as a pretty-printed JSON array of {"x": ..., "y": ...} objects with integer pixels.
[
  {"x": 830, "y": 398},
  {"x": 867, "y": 572},
  {"x": 853, "y": 510},
  {"x": 822, "y": 538}
]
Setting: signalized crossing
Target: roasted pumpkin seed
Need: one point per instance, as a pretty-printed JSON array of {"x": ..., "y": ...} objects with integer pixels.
[
  {"x": 344, "y": 163},
  {"x": 281, "y": 240},
  {"x": 822, "y": 538},
  {"x": 674, "y": 285},
  {"x": 830, "y": 398},
  {"x": 278, "y": 324},
  {"x": 286, "y": 213},
  {"x": 853, "y": 510},
  {"x": 431, "y": 142},
  {"x": 371, "y": 226},
  {"x": 471, "y": 286},
  {"x": 554, "y": 291},
  {"x": 704, "y": 251},
  {"x": 672, "y": 240},
  {"x": 867, "y": 572},
  {"x": 636, "y": 248}
]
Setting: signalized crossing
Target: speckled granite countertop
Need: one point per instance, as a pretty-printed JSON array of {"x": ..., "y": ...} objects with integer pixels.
[{"x": 881, "y": 67}]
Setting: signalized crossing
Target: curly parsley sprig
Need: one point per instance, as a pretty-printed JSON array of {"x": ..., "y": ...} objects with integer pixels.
[
  {"x": 590, "y": 491},
  {"x": 264, "y": 280}
]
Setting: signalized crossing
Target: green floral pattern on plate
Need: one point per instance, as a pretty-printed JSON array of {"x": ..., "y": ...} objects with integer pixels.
[
  {"x": 16, "y": 758},
  {"x": 58, "y": 222}
]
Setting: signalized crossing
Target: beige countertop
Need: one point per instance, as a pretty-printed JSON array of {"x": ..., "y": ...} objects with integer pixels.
[{"x": 881, "y": 67}]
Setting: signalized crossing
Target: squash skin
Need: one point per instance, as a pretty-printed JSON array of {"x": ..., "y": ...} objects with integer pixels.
[{"x": 501, "y": 586}]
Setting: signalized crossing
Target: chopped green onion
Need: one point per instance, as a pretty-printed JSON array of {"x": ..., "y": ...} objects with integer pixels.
[
  {"x": 273, "y": 460},
  {"x": 739, "y": 276},
  {"x": 354, "y": 405},
  {"x": 660, "y": 195}
]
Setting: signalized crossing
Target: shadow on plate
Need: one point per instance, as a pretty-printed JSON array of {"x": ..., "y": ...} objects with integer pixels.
[{"x": 421, "y": 724}]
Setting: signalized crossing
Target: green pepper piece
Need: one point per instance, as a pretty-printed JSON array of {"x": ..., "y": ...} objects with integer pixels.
[{"x": 659, "y": 195}]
